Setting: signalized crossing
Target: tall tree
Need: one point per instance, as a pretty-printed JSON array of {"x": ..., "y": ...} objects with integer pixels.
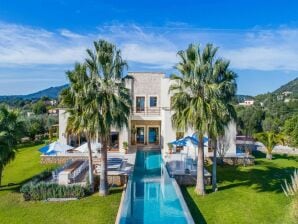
[
  {"x": 75, "y": 98},
  {"x": 290, "y": 129},
  {"x": 222, "y": 109},
  {"x": 11, "y": 128},
  {"x": 199, "y": 93},
  {"x": 110, "y": 101}
]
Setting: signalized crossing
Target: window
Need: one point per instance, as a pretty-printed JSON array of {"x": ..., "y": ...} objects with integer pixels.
[
  {"x": 140, "y": 135},
  {"x": 114, "y": 141},
  {"x": 140, "y": 103},
  {"x": 153, "y": 101}
]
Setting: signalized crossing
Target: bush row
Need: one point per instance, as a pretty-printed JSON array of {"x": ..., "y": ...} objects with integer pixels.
[
  {"x": 31, "y": 143},
  {"x": 43, "y": 191}
]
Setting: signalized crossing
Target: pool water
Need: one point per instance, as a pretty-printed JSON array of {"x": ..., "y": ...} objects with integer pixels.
[{"x": 151, "y": 195}]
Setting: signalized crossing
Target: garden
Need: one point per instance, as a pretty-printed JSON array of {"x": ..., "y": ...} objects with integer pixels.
[
  {"x": 14, "y": 209},
  {"x": 251, "y": 194}
]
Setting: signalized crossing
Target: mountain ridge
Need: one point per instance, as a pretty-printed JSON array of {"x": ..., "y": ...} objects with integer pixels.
[
  {"x": 291, "y": 86},
  {"x": 51, "y": 92}
]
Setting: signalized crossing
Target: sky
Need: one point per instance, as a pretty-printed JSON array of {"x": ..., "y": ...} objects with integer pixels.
[{"x": 41, "y": 39}]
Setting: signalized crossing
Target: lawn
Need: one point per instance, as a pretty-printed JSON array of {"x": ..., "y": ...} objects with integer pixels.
[
  {"x": 246, "y": 194},
  {"x": 13, "y": 209}
]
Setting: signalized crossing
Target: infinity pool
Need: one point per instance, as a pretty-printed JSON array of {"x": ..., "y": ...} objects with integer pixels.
[{"x": 151, "y": 195}]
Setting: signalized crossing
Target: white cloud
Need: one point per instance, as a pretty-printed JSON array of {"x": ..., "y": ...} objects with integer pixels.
[
  {"x": 151, "y": 47},
  {"x": 21, "y": 45},
  {"x": 266, "y": 50}
]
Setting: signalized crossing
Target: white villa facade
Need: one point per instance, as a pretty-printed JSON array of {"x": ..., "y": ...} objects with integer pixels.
[{"x": 150, "y": 123}]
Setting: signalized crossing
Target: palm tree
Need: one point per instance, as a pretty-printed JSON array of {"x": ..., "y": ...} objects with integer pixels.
[
  {"x": 75, "y": 98},
  {"x": 219, "y": 121},
  {"x": 198, "y": 96},
  {"x": 110, "y": 102},
  {"x": 222, "y": 109},
  {"x": 269, "y": 139},
  {"x": 10, "y": 131}
]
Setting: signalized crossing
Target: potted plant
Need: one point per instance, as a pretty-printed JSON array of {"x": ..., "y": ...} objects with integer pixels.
[
  {"x": 125, "y": 146},
  {"x": 170, "y": 146}
]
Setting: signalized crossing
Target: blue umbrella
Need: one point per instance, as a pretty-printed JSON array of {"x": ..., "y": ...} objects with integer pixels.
[
  {"x": 44, "y": 149},
  {"x": 179, "y": 142},
  {"x": 192, "y": 140},
  {"x": 195, "y": 136},
  {"x": 54, "y": 148}
]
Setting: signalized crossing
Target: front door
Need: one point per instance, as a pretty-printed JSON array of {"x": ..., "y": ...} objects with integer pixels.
[
  {"x": 140, "y": 135},
  {"x": 153, "y": 135}
]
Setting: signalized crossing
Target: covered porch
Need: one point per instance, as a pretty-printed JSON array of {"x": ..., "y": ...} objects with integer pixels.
[{"x": 144, "y": 133}]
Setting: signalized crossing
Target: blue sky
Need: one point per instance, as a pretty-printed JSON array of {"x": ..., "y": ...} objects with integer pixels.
[{"x": 40, "y": 40}]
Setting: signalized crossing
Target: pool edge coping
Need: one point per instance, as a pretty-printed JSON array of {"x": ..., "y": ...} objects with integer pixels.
[
  {"x": 117, "y": 221},
  {"x": 182, "y": 201}
]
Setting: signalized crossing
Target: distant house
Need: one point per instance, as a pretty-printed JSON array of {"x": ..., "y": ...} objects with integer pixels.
[
  {"x": 50, "y": 102},
  {"x": 287, "y": 93},
  {"x": 286, "y": 100},
  {"x": 53, "y": 111},
  {"x": 30, "y": 113},
  {"x": 285, "y": 96},
  {"x": 247, "y": 103}
]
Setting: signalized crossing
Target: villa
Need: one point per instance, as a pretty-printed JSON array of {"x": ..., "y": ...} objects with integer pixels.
[
  {"x": 150, "y": 123},
  {"x": 247, "y": 103}
]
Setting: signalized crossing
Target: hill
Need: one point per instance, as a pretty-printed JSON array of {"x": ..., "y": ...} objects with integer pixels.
[
  {"x": 51, "y": 92},
  {"x": 291, "y": 86}
]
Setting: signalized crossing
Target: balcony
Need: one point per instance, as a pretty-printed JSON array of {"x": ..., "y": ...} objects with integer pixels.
[{"x": 146, "y": 111}]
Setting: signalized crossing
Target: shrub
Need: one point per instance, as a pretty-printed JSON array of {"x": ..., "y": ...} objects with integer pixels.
[
  {"x": 37, "y": 189},
  {"x": 31, "y": 143},
  {"x": 43, "y": 191},
  {"x": 291, "y": 188},
  {"x": 42, "y": 176}
]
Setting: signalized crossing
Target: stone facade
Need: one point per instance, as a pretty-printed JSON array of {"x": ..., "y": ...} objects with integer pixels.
[{"x": 156, "y": 118}]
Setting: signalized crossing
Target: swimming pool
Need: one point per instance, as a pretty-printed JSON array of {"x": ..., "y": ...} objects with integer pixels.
[{"x": 151, "y": 195}]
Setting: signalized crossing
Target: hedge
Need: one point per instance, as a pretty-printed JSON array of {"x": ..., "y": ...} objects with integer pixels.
[
  {"x": 37, "y": 189},
  {"x": 44, "y": 190}
]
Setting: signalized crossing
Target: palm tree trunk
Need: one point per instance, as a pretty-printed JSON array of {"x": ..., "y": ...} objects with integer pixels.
[
  {"x": 269, "y": 155},
  {"x": 90, "y": 159},
  {"x": 214, "y": 167},
  {"x": 103, "y": 184},
  {"x": 200, "y": 185}
]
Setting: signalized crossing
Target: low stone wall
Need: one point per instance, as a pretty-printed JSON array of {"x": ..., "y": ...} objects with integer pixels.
[
  {"x": 59, "y": 159},
  {"x": 190, "y": 180},
  {"x": 246, "y": 161},
  {"x": 115, "y": 180}
]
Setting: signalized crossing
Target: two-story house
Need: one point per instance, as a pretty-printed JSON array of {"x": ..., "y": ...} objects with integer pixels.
[{"x": 150, "y": 121}]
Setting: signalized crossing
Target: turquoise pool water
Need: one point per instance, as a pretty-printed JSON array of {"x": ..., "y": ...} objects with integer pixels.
[{"x": 151, "y": 195}]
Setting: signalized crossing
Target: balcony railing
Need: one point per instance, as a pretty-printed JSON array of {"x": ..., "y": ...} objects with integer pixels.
[{"x": 146, "y": 111}]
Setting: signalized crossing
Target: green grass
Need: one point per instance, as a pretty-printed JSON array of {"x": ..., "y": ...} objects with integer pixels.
[
  {"x": 246, "y": 194},
  {"x": 13, "y": 209}
]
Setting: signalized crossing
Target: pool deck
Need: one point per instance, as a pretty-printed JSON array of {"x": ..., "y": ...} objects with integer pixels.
[{"x": 184, "y": 173}]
